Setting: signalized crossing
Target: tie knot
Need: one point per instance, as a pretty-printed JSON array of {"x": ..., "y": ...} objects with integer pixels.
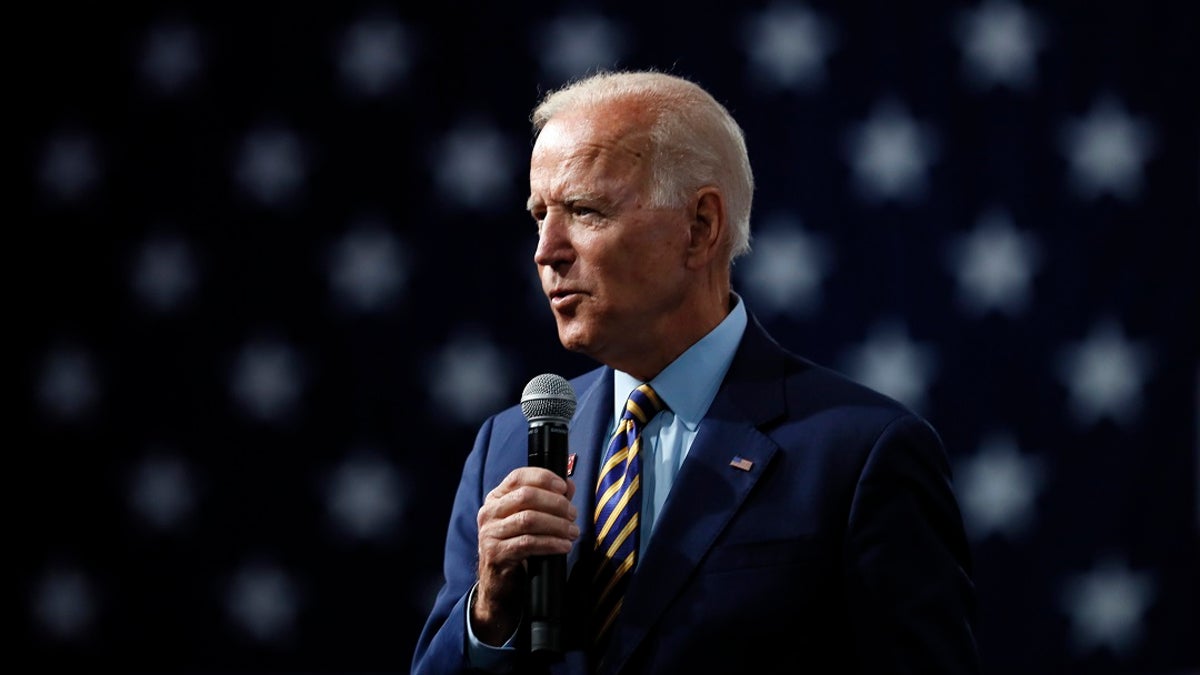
[{"x": 643, "y": 404}]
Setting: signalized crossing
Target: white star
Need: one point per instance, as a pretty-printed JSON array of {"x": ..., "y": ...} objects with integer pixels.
[
  {"x": 892, "y": 364},
  {"x": 573, "y": 45},
  {"x": 271, "y": 166},
  {"x": 785, "y": 272},
  {"x": 364, "y": 496},
  {"x": 369, "y": 267},
  {"x": 164, "y": 273},
  {"x": 70, "y": 166},
  {"x": 999, "y": 488},
  {"x": 262, "y": 601},
  {"x": 1106, "y": 605},
  {"x": 161, "y": 492},
  {"x": 787, "y": 45},
  {"x": 374, "y": 56},
  {"x": 474, "y": 166},
  {"x": 64, "y": 604},
  {"x": 469, "y": 378},
  {"x": 890, "y": 154},
  {"x": 1105, "y": 374},
  {"x": 267, "y": 380},
  {"x": 1107, "y": 151},
  {"x": 171, "y": 57},
  {"x": 999, "y": 40},
  {"x": 994, "y": 265},
  {"x": 68, "y": 387}
]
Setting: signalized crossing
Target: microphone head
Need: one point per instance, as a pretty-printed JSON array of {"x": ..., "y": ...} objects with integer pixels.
[{"x": 548, "y": 396}]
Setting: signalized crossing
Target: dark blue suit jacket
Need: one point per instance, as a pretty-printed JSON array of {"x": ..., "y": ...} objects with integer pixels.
[{"x": 840, "y": 549}]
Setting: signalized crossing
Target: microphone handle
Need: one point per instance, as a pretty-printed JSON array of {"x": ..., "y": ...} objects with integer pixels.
[{"x": 547, "y": 573}]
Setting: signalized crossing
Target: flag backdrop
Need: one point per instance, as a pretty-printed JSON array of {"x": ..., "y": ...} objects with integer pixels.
[{"x": 276, "y": 270}]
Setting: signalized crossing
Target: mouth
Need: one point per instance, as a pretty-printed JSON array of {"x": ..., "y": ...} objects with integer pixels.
[{"x": 561, "y": 297}]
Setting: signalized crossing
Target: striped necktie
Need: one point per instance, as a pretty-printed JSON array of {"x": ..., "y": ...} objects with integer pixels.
[{"x": 618, "y": 503}]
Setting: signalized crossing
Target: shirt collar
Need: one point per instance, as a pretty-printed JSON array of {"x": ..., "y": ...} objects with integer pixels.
[{"x": 689, "y": 384}]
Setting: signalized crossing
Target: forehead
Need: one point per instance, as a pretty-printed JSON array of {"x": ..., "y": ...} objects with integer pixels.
[{"x": 596, "y": 146}]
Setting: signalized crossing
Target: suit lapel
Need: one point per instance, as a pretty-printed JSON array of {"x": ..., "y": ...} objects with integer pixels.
[
  {"x": 708, "y": 491},
  {"x": 593, "y": 417}
]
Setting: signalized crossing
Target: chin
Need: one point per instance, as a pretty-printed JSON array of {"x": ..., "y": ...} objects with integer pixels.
[
  {"x": 573, "y": 337},
  {"x": 572, "y": 344}
]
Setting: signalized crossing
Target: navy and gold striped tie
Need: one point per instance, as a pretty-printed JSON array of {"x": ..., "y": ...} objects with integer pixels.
[{"x": 618, "y": 503}]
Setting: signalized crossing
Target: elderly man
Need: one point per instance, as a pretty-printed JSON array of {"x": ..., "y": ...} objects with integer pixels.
[{"x": 754, "y": 512}]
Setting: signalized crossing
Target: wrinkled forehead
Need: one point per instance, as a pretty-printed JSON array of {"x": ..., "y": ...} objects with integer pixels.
[
  {"x": 597, "y": 144},
  {"x": 589, "y": 131}
]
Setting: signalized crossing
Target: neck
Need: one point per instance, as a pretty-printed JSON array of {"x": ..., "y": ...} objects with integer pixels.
[{"x": 678, "y": 332}]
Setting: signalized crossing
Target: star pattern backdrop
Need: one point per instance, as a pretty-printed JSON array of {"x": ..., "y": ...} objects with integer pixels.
[{"x": 276, "y": 271}]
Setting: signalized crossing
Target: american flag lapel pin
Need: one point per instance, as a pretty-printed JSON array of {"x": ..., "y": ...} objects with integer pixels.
[
  {"x": 570, "y": 464},
  {"x": 739, "y": 462}
]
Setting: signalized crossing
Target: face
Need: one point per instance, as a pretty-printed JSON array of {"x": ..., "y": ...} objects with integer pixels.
[{"x": 611, "y": 264}]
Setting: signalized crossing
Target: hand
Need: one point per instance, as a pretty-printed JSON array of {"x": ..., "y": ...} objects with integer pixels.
[{"x": 529, "y": 513}]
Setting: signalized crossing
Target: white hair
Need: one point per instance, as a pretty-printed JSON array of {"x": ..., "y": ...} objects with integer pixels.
[{"x": 695, "y": 141}]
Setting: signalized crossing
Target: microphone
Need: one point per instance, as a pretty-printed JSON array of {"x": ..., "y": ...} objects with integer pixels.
[{"x": 548, "y": 402}]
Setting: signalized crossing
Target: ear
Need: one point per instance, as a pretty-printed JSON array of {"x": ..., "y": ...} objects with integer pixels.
[{"x": 708, "y": 228}]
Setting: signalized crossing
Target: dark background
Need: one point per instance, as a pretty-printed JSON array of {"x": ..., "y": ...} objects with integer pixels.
[{"x": 199, "y": 397}]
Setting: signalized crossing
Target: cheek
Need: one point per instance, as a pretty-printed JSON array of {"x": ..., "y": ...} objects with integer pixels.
[
  {"x": 656, "y": 261},
  {"x": 666, "y": 246},
  {"x": 623, "y": 268}
]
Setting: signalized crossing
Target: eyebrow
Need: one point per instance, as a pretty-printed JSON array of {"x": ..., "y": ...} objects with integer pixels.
[{"x": 572, "y": 198}]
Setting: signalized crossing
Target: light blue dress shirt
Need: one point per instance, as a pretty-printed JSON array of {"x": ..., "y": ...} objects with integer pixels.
[{"x": 687, "y": 386}]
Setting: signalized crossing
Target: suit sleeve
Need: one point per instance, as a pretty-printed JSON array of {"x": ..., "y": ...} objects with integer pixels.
[
  {"x": 443, "y": 642},
  {"x": 908, "y": 567}
]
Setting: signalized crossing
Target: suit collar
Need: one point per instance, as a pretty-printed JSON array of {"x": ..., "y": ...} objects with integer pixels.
[{"x": 755, "y": 383}]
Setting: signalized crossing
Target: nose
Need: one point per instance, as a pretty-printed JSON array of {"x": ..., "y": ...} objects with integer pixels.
[{"x": 554, "y": 247}]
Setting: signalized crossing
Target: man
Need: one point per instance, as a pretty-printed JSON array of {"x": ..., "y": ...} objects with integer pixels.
[{"x": 772, "y": 517}]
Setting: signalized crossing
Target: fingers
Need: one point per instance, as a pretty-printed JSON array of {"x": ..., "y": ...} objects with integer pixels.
[
  {"x": 532, "y": 532},
  {"x": 531, "y": 488},
  {"x": 531, "y": 476},
  {"x": 529, "y": 513}
]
